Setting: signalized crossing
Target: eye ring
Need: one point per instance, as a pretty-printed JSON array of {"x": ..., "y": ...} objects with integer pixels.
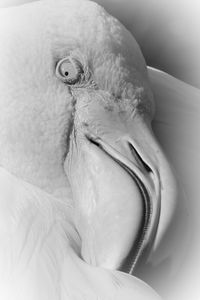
[{"x": 69, "y": 70}]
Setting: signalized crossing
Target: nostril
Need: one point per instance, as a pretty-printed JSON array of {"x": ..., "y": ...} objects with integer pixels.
[{"x": 139, "y": 159}]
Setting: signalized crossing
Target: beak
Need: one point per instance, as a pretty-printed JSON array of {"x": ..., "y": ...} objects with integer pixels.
[{"x": 123, "y": 187}]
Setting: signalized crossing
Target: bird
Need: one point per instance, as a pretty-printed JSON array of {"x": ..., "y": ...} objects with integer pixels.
[{"x": 87, "y": 192}]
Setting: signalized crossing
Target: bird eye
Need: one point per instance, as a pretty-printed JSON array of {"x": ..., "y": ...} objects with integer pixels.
[{"x": 69, "y": 70}]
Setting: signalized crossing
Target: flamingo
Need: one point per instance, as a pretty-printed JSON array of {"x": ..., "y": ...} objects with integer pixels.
[{"x": 87, "y": 193}]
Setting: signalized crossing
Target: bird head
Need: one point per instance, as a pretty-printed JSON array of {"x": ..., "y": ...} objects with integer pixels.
[{"x": 75, "y": 119}]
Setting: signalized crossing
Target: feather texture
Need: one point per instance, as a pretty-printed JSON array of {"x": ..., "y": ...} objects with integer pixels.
[{"x": 39, "y": 256}]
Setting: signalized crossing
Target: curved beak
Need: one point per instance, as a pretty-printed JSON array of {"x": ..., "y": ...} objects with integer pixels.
[{"x": 123, "y": 187}]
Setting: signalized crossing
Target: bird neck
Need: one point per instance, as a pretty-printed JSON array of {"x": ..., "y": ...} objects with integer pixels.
[{"x": 43, "y": 168}]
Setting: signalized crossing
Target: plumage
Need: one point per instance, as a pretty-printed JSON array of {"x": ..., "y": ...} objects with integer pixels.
[
  {"x": 176, "y": 125},
  {"x": 39, "y": 248},
  {"x": 85, "y": 184}
]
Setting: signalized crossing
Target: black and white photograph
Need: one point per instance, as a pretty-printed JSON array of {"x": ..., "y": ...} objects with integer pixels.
[{"x": 99, "y": 150}]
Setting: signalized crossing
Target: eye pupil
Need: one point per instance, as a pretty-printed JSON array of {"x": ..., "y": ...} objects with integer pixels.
[{"x": 66, "y": 73}]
